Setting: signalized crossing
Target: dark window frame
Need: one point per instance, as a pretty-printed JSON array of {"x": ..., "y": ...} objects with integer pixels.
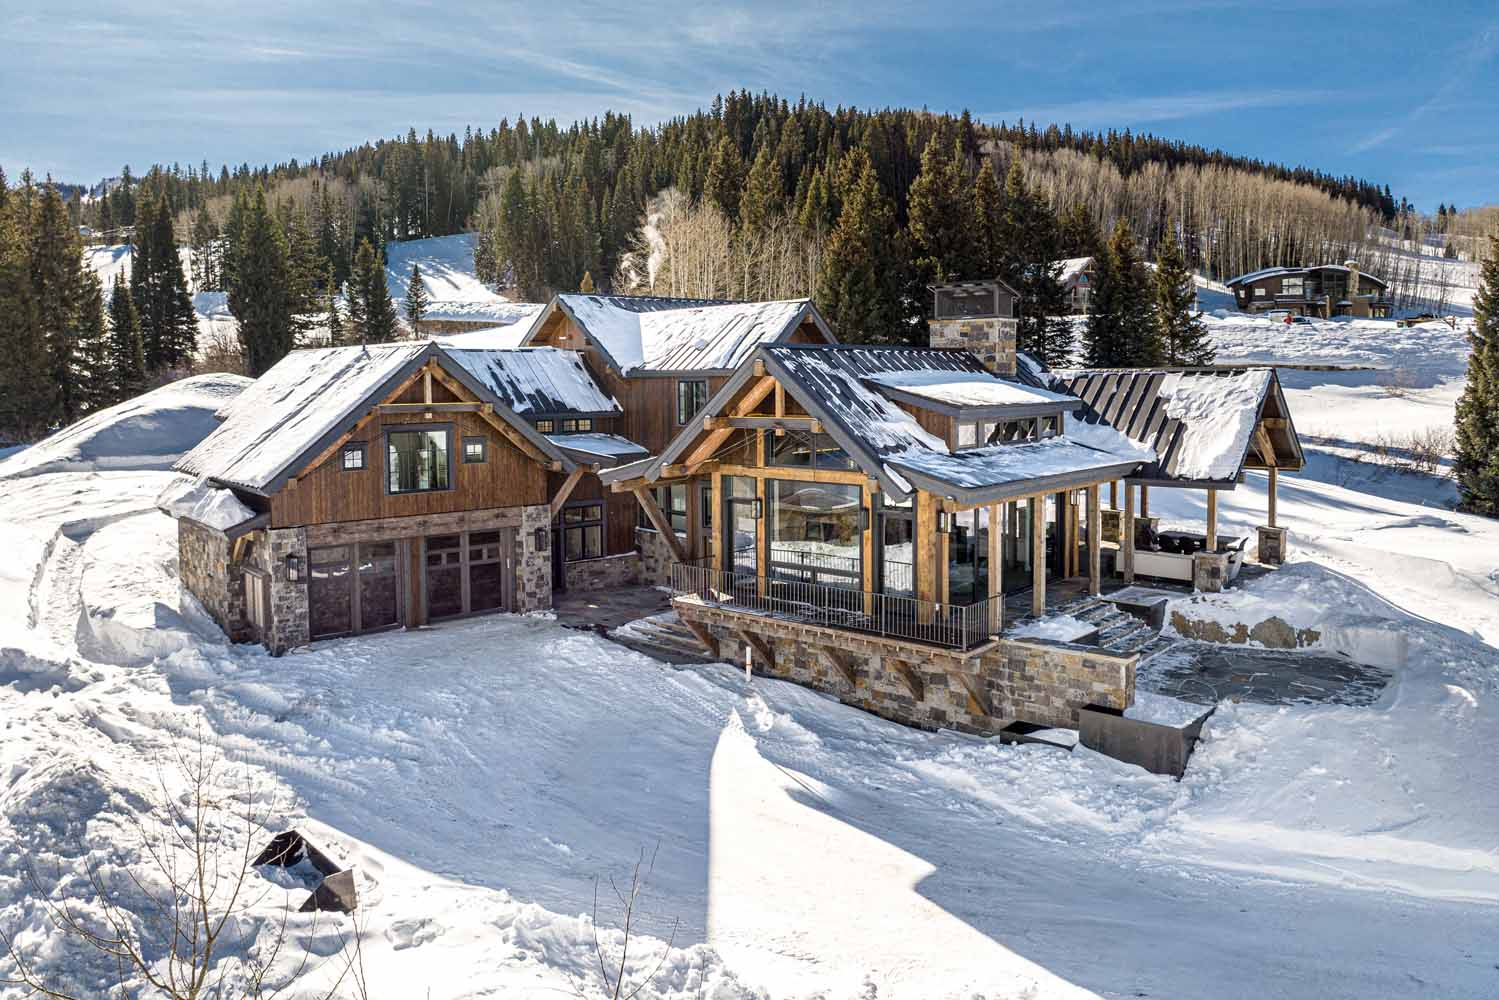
[
  {"x": 482, "y": 442},
  {"x": 602, "y": 523},
  {"x": 446, "y": 429},
  {"x": 772, "y": 461},
  {"x": 544, "y": 426},
  {"x": 697, "y": 385},
  {"x": 360, "y": 448}
]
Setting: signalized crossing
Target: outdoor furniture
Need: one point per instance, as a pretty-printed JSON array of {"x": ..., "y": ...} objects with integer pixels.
[{"x": 1163, "y": 565}]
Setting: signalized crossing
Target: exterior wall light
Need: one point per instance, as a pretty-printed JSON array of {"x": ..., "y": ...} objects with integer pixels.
[
  {"x": 542, "y": 538},
  {"x": 294, "y": 568},
  {"x": 944, "y": 522},
  {"x": 758, "y": 509}
]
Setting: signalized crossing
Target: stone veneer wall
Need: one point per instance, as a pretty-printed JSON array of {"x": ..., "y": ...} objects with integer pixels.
[
  {"x": 607, "y": 573},
  {"x": 203, "y": 556},
  {"x": 655, "y": 557},
  {"x": 1036, "y": 682},
  {"x": 989, "y": 338},
  {"x": 533, "y": 567},
  {"x": 289, "y": 606}
]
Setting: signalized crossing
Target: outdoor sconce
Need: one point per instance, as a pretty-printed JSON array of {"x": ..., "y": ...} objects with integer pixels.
[
  {"x": 758, "y": 509},
  {"x": 294, "y": 568},
  {"x": 542, "y": 538},
  {"x": 864, "y": 519},
  {"x": 944, "y": 522}
]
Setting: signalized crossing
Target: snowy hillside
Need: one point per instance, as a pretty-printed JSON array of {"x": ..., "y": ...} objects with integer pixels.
[{"x": 455, "y": 292}]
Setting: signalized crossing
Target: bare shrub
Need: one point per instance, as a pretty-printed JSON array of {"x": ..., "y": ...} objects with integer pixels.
[{"x": 614, "y": 971}]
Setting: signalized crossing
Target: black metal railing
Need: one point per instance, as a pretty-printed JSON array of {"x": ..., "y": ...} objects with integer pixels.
[{"x": 953, "y": 626}]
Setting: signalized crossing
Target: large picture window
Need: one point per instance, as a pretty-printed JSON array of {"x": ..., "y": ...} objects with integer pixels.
[
  {"x": 796, "y": 450},
  {"x": 419, "y": 461},
  {"x": 816, "y": 533},
  {"x": 692, "y": 396},
  {"x": 583, "y": 531}
]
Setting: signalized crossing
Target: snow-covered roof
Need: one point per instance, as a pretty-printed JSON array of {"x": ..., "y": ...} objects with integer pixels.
[
  {"x": 197, "y": 500},
  {"x": 537, "y": 381},
  {"x": 988, "y": 470},
  {"x": 1071, "y": 267},
  {"x": 965, "y": 390},
  {"x": 597, "y": 448},
  {"x": 647, "y": 333},
  {"x": 310, "y": 397},
  {"x": 494, "y": 338},
  {"x": 1273, "y": 272}
]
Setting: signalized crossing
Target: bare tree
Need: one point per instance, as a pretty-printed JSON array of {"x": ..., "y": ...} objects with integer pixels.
[
  {"x": 614, "y": 972},
  {"x": 184, "y": 923}
]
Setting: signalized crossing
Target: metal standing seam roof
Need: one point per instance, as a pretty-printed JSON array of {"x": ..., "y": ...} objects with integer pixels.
[
  {"x": 537, "y": 381},
  {"x": 1271, "y": 272}
]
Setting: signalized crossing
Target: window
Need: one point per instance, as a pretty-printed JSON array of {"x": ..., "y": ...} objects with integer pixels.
[
  {"x": 675, "y": 507},
  {"x": 475, "y": 450},
  {"x": 692, "y": 396},
  {"x": 1014, "y": 431},
  {"x": 353, "y": 456},
  {"x": 418, "y": 461},
  {"x": 581, "y": 425},
  {"x": 1051, "y": 426},
  {"x": 544, "y": 426},
  {"x": 806, "y": 451},
  {"x": 1260, "y": 292},
  {"x": 583, "y": 531},
  {"x": 1290, "y": 286},
  {"x": 816, "y": 533}
]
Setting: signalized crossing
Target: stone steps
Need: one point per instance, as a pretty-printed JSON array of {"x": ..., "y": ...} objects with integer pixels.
[
  {"x": 1118, "y": 631},
  {"x": 664, "y": 638}
]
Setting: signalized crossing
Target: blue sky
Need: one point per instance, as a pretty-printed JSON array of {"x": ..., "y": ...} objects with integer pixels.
[{"x": 1398, "y": 92}]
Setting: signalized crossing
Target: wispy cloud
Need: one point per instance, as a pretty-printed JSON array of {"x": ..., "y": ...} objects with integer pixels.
[
  {"x": 1458, "y": 74},
  {"x": 1124, "y": 110}
]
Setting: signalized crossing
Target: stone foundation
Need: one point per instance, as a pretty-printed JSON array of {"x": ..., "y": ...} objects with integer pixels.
[
  {"x": 289, "y": 608},
  {"x": 655, "y": 557},
  {"x": 979, "y": 692},
  {"x": 203, "y": 556},
  {"x": 1274, "y": 545},
  {"x": 604, "y": 574}
]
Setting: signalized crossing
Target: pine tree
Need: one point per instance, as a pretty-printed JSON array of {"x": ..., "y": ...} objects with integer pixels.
[
  {"x": 941, "y": 213},
  {"x": 863, "y": 286},
  {"x": 1079, "y": 235},
  {"x": 1477, "y": 452},
  {"x": 259, "y": 296},
  {"x": 586, "y": 285},
  {"x": 416, "y": 299},
  {"x": 57, "y": 287},
  {"x": 25, "y": 397},
  {"x": 96, "y": 379},
  {"x": 169, "y": 326},
  {"x": 988, "y": 220},
  {"x": 125, "y": 355},
  {"x": 724, "y": 185},
  {"x": 1122, "y": 331},
  {"x": 333, "y": 318},
  {"x": 1184, "y": 340},
  {"x": 205, "y": 248},
  {"x": 373, "y": 319},
  {"x": 763, "y": 196}
]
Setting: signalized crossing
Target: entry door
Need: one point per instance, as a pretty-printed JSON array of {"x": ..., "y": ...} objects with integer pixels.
[
  {"x": 330, "y": 591},
  {"x": 444, "y": 576},
  {"x": 378, "y": 586},
  {"x": 897, "y": 554}
]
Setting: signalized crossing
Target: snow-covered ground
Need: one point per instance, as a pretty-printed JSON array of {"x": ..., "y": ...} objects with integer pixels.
[
  {"x": 482, "y": 775},
  {"x": 454, "y": 290}
]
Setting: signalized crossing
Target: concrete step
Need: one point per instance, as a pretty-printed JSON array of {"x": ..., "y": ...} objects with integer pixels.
[{"x": 661, "y": 651}]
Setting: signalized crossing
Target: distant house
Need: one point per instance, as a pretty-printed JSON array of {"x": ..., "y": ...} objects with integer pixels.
[
  {"x": 1077, "y": 277},
  {"x": 1324, "y": 290}
]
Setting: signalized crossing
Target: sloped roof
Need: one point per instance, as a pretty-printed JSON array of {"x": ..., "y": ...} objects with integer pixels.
[
  {"x": 1071, "y": 267},
  {"x": 596, "y": 448},
  {"x": 639, "y": 333},
  {"x": 987, "y": 472},
  {"x": 962, "y": 392},
  {"x": 311, "y": 397},
  {"x": 1272, "y": 272},
  {"x": 1199, "y": 423},
  {"x": 537, "y": 381}
]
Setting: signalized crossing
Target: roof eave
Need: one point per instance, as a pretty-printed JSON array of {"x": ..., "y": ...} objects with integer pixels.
[{"x": 981, "y": 495}]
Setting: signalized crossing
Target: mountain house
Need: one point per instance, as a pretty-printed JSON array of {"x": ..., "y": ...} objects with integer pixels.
[
  {"x": 890, "y": 524},
  {"x": 1323, "y": 290}
]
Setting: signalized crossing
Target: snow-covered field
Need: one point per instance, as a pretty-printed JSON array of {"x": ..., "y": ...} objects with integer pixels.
[{"x": 482, "y": 775}]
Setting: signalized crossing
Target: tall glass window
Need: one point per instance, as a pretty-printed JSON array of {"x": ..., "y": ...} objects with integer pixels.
[
  {"x": 897, "y": 549},
  {"x": 739, "y": 523},
  {"x": 417, "y": 461},
  {"x": 796, "y": 450},
  {"x": 968, "y": 557},
  {"x": 816, "y": 533}
]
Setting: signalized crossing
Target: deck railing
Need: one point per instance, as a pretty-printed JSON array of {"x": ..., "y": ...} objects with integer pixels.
[{"x": 952, "y": 626}]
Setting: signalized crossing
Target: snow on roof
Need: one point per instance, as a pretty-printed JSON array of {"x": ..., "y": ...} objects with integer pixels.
[
  {"x": 1006, "y": 464},
  {"x": 1218, "y": 417},
  {"x": 966, "y": 389},
  {"x": 494, "y": 338},
  {"x": 658, "y": 334},
  {"x": 1272, "y": 272},
  {"x": 1072, "y": 267},
  {"x": 186, "y": 496},
  {"x": 536, "y": 381},
  {"x": 304, "y": 396},
  {"x": 611, "y": 447}
]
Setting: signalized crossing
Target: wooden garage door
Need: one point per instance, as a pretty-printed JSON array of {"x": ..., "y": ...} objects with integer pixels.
[
  {"x": 470, "y": 573},
  {"x": 353, "y": 588}
]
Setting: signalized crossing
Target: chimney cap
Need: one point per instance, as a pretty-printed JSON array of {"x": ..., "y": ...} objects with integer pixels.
[{"x": 1350, "y": 263}]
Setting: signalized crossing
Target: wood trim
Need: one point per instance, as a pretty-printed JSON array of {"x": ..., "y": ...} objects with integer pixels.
[
  {"x": 715, "y": 543},
  {"x": 777, "y": 424},
  {"x": 566, "y": 489},
  {"x": 486, "y": 412},
  {"x": 660, "y": 523},
  {"x": 1038, "y": 556},
  {"x": 404, "y": 408},
  {"x": 845, "y": 476},
  {"x": 1274, "y": 484},
  {"x": 1212, "y": 539},
  {"x": 1266, "y": 447},
  {"x": 752, "y": 398}
]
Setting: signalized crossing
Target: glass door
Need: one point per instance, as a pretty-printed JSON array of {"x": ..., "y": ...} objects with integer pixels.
[
  {"x": 1016, "y": 546},
  {"x": 898, "y": 553},
  {"x": 740, "y": 525}
]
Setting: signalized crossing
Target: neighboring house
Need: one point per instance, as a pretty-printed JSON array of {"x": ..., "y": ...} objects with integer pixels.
[
  {"x": 662, "y": 358},
  {"x": 1325, "y": 290},
  {"x": 353, "y": 489},
  {"x": 1077, "y": 276}
]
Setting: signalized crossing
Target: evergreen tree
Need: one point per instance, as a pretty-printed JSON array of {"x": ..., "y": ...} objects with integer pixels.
[
  {"x": 1122, "y": 331},
  {"x": 125, "y": 353},
  {"x": 416, "y": 299},
  {"x": 988, "y": 220},
  {"x": 863, "y": 285},
  {"x": 25, "y": 396},
  {"x": 1184, "y": 340},
  {"x": 1079, "y": 235},
  {"x": 373, "y": 319},
  {"x": 586, "y": 285},
  {"x": 724, "y": 185},
  {"x": 169, "y": 326},
  {"x": 96, "y": 378},
  {"x": 259, "y": 296},
  {"x": 333, "y": 319},
  {"x": 763, "y": 196},
  {"x": 57, "y": 289},
  {"x": 205, "y": 250},
  {"x": 1477, "y": 451},
  {"x": 941, "y": 214}
]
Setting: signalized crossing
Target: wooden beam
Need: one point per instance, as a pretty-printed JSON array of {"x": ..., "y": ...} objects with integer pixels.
[
  {"x": 1127, "y": 534},
  {"x": 1038, "y": 556},
  {"x": 1212, "y": 540},
  {"x": 866, "y": 552},
  {"x": 759, "y": 644},
  {"x": 759, "y": 368},
  {"x": 1274, "y": 483},
  {"x": 709, "y": 446},
  {"x": 780, "y": 407},
  {"x": 702, "y": 635},
  {"x": 762, "y": 535},
  {"x": 926, "y": 553},
  {"x": 715, "y": 545},
  {"x": 803, "y": 475},
  {"x": 406, "y": 408},
  {"x": 841, "y": 662},
  {"x": 566, "y": 489},
  {"x": 1265, "y": 445},
  {"x": 1144, "y": 500},
  {"x": 778, "y": 424},
  {"x": 1095, "y": 535},
  {"x": 978, "y": 698},
  {"x": 911, "y": 678},
  {"x": 427, "y": 384},
  {"x": 660, "y": 522},
  {"x": 996, "y": 568},
  {"x": 1277, "y": 423}
]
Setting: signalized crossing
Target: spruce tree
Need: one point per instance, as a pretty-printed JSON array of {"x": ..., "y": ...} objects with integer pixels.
[
  {"x": 1477, "y": 440},
  {"x": 763, "y": 195},
  {"x": 1122, "y": 331},
  {"x": 57, "y": 288},
  {"x": 941, "y": 214},
  {"x": 333, "y": 319},
  {"x": 259, "y": 296},
  {"x": 25, "y": 396},
  {"x": 125, "y": 353},
  {"x": 1184, "y": 340},
  {"x": 205, "y": 245},
  {"x": 863, "y": 286},
  {"x": 1079, "y": 235},
  {"x": 373, "y": 319},
  {"x": 416, "y": 299},
  {"x": 96, "y": 378},
  {"x": 724, "y": 185},
  {"x": 988, "y": 220},
  {"x": 169, "y": 326}
]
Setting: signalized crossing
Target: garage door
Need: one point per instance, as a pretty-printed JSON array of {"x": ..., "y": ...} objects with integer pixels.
[
  {"x": 353, "y": 588},
  {"x": 470, "y": 573}
]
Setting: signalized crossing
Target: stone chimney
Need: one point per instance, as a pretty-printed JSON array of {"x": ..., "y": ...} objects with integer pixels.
[
  {"x": 981, "y": 317},
  {"x": 1360, "y": 306}
]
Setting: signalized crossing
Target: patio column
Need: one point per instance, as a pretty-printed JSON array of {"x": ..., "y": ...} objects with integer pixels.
[
  {"x": 715, "y": 544},
  {"x": 1095, "y": 533},
  {"x": 1144, "y": 500},
  {"x": 926, "y": 554},
  {"x": 1113, "y": 494},
  {"x": 1212, "y": 541},
  {"x": 1038, "y": 557},
  {"x": 996, "y": 567},
  {"x": 1127, "y": 534},
  {"x": 762, "y": 535},
  {"x": 1274, "y": 482}
]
